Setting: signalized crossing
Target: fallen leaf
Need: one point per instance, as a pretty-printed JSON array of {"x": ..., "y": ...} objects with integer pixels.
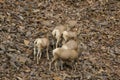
[
  {"x": 19, "y": 78},
  {"x": 27, "y": 69},
  {"x": 22, "y": 59},
  {"x": 57, "y": 78},
  {"x": 28, "y": 51},
  {"x": 1, "y": 1},
  {"x": 21, "y": 27},
  {"x": 36, "y": 10},
  {"x": 26, "y": 42}
]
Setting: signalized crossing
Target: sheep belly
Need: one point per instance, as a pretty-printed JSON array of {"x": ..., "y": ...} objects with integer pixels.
[{"x": 68, "y": 54}]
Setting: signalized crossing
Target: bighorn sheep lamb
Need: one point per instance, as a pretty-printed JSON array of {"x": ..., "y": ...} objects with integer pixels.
[
  {"x": 57, "y": 32},
  {"x": 64, "y": 55},
  {"x": 70, "y": 34},
  {"x": 39, "y": 45}
]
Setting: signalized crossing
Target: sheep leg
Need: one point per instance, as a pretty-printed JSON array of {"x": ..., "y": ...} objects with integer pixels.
[
  {"x": 61, "y": 64},
  {"x": 56, "y": 67},
  {"x": 50, "y": 66},
  {"x": 72, "y": 65},
  {"x": 54, "y": 46},
  {"x": 34, "y": 52},
  {"x": 75, "y": 67},
  {"x": 53, "y": 60},
  {"x": 38, "y": 56},
  {"x": 53, "y": 43},
  {"x": 47, "y": 52},
  {"x": 57, "y": 42},
  {"x": 65, "y": 38}
]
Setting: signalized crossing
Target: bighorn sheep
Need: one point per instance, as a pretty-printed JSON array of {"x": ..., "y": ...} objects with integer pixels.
[
  {"x": 64, "y": 55},
  {"x": 39, "y": 44},
  {"x": 70, "y": 34},
  {"x": 57, "y": 32},
  {"x": 71, "y": 44}
]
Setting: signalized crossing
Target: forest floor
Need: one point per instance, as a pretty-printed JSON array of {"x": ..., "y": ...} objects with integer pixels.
[{"x": 22, "y": 21}]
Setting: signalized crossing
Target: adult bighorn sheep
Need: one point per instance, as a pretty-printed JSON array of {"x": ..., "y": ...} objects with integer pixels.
[
  {"x": 64, "y": 55},
  {"x": 39, "y": 45},
  {"x": 57, "y": 33}
]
